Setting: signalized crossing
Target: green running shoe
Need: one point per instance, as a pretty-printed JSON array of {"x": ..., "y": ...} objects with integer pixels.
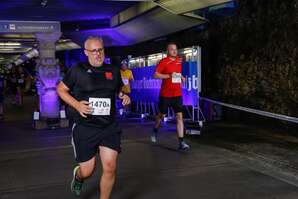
[{"x": 76, "y": 185}]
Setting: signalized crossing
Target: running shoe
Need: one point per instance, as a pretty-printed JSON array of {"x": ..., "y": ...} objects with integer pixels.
[
  {"x": 76, "y": 185},
  {"x": 183, "y": 146}
]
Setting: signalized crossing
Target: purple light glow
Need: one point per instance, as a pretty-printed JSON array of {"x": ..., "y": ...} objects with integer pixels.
[
  {"x": 49, "y": 104},
  {"x": 49, "y": 100},
  {"x": 61, "y": 10},
  {"x": 94, "y": 9},
  {"x": 111, "y": 36}
]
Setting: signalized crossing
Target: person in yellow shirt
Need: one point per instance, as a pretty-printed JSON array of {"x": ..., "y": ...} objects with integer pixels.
[{"x": 127, "y": 77}]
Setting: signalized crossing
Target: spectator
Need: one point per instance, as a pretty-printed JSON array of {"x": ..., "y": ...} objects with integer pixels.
[
  {"x": 21, "y": 78},
  {"x": 127, "y": 77},
  {"x": 2, "y": 86}
]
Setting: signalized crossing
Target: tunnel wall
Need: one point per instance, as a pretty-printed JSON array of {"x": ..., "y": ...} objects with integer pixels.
[{"x": 256, "y": 55}]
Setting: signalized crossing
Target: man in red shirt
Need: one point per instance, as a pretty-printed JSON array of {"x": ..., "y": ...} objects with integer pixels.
[{"x": 169, "y": 71}]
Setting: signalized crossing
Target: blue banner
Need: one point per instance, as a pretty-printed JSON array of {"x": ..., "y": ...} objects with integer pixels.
[{"x": 145, "y": 88}]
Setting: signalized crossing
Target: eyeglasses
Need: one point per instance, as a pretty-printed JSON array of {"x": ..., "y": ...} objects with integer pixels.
[{"x": 95, "y": 51}]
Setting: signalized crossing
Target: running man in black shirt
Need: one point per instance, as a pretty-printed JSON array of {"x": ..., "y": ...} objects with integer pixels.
[{"x": 91, "y": 89}]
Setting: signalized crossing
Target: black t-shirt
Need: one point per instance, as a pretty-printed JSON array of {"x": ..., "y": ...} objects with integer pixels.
[{"x": 86, "y": 81}]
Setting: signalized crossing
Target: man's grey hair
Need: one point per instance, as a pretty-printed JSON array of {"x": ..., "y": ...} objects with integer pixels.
[{"x": 92, "y": 38}]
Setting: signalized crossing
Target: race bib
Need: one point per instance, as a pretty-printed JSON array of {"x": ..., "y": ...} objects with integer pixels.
[
  {"x": 125, "y": 81},
  {"x": 101, "y": 106},
  {"x": 20, "y": 81},
  {"x": 176, "y": 78}
]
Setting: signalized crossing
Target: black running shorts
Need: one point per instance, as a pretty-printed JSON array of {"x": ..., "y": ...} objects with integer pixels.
[
  {"x": 87, "y": 139},
  {"x": 173, "y": 102}
]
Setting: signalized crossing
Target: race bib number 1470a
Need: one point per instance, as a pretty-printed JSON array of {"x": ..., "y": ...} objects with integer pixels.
[{"x": 101, "y": 106}]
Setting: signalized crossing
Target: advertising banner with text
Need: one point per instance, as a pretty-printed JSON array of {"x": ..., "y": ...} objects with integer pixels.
[{"x": 145, "y": 88}]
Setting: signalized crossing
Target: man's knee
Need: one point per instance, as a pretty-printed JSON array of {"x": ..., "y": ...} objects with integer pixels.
[
  {"x": 109, "y": 167},
  {"x": 179, "y": 117}
]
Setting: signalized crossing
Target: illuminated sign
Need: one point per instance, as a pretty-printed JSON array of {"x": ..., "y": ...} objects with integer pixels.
[{"x": 146, "y": 88}]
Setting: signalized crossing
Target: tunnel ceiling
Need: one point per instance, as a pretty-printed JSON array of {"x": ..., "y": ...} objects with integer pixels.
[
  {"x": 119, "y": 22},
  {"x": 61, "y": 10}
]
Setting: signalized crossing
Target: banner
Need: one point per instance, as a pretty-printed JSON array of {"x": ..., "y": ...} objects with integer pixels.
[{"x": 145, "y": 88}]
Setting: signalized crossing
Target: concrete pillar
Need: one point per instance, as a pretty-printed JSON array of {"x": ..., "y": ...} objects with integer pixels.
[{"x": 48, "y": 75}]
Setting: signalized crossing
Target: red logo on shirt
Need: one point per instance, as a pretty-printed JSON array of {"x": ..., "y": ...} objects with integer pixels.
[{"x": 109, "y": 75}]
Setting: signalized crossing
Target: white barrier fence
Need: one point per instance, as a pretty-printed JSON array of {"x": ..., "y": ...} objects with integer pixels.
[{"x": 255, "y": 111}]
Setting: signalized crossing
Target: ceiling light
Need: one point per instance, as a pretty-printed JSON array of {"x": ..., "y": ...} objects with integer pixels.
[
  {"x": 7, "y": 49},
  {"x": 44, "y": 3},
  {"x": 10, "y": 44}
]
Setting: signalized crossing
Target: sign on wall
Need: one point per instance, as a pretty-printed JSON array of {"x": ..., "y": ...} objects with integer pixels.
[{"x": 29, "y": 26}]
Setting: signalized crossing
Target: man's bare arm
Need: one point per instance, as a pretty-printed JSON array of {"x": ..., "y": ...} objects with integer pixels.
[
  {"x": 161, "y": 76},
  {"x": 82, "y": 107}
]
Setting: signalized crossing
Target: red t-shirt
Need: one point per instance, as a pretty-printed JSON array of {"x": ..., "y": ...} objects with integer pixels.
[{"x": 169, "y": 66}]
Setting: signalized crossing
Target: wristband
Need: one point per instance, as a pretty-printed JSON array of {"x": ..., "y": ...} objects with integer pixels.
[{"x": 121, "y": 94}]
